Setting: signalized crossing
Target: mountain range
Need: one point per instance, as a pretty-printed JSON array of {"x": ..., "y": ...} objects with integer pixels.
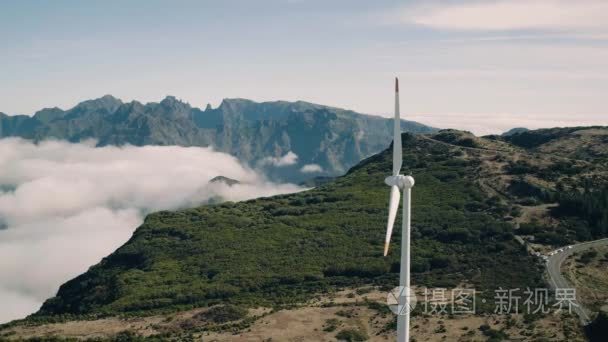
[{"x": 289, "y": 141}]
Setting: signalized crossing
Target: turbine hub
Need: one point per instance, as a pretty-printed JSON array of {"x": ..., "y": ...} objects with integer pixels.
[{"x": 401, "y": 181}]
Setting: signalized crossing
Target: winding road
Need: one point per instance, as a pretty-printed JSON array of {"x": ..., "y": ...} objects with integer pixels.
[{"x": 557, "y": 280}]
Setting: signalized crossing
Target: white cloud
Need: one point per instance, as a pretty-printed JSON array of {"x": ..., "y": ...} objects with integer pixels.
[
  {"x": 289, "y": 158},
  {"x": 311, "y": 168},
  {"x": 72, "y": 204},
  {"x": 360, "y": 134},
  {"x": 497, "y": 123},
  {"x": 513, "y": 15}
]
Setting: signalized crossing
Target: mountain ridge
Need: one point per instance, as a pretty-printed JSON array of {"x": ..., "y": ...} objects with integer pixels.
[{"x": 329, "y": 137}]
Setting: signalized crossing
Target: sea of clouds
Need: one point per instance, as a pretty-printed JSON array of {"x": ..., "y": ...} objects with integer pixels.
[{"x": 64, "y": 206}]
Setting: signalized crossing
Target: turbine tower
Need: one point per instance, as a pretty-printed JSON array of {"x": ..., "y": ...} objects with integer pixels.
[{"x": 399, "y": 183}]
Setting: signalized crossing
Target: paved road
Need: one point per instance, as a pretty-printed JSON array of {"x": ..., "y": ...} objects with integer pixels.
[{"x": 557, "y": 280}]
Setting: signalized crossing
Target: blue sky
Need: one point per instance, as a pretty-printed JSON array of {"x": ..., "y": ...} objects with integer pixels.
[{"x": 485, "y": 66}]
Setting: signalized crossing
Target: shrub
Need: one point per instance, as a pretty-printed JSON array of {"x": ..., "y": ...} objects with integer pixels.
[
  {"x": 588, "y": 256},
  {"x": 223, "y": 314},
  {"x": 421, "y": 265},
  {"x": 331, "y": 325},
  {"x": 495, "y": 335},
  {"x": 440, "y": 262},
  {"x": 529, "y": 228},
  {"x": 352, "y": 335}
]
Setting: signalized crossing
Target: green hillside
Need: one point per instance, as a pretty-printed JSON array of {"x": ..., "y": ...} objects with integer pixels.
[
  {"x": 282, "y": 250},
  {"x": 584, "y": 143}
]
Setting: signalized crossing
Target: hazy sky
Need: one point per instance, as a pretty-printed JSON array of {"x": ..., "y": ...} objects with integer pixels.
[{"x": 479, "y": 65}]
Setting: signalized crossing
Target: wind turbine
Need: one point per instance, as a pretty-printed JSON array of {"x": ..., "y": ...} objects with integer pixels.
[{"x": 399, "y": 183}]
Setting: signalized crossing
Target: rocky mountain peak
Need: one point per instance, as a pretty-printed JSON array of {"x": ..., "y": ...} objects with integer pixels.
[
  {"x": 225, "y": 180},
  {"x": 172, "y": 101},
  {"x": 107, "y": 102}
]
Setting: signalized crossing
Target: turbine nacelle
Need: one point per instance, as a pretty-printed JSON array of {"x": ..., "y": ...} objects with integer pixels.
[{"x": 401, "y": 181}]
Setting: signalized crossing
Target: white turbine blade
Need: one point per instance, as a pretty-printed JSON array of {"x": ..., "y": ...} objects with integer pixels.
[
  {"x": 397, "y": 157},
  {"x": 393, "y": 205}
]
